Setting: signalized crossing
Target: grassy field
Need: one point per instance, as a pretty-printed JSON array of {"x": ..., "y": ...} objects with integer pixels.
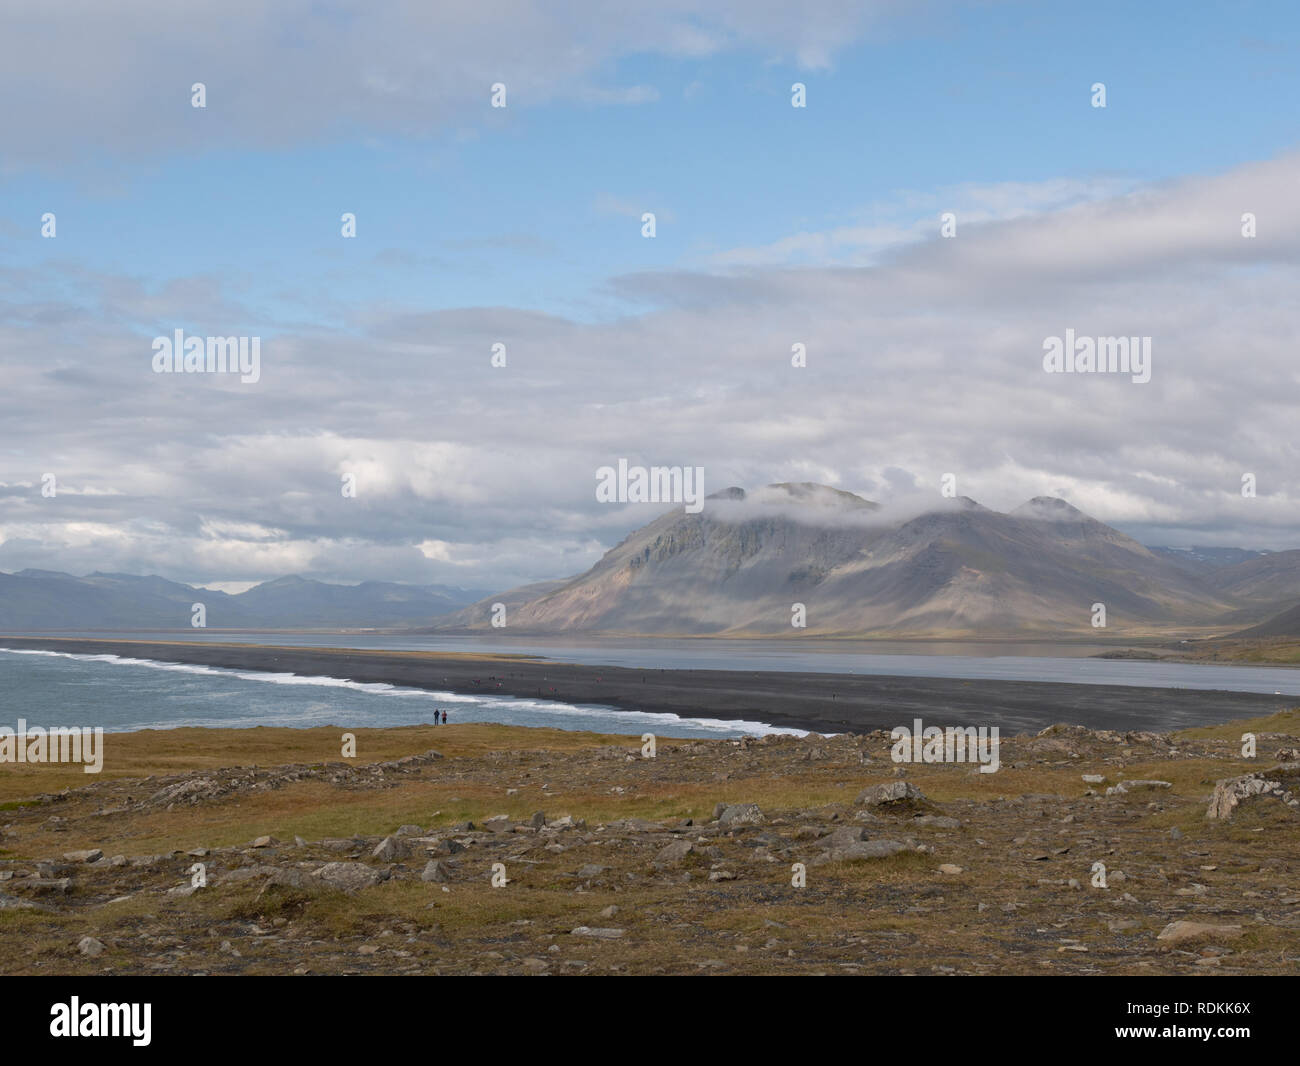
[{"x": 1021, "y": 902}]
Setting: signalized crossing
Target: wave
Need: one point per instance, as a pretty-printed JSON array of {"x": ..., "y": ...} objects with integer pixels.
[{"x": 516, "y": 704}]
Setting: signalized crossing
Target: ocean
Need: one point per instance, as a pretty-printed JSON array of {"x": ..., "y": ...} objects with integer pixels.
[{"x": 120, "y": 693}]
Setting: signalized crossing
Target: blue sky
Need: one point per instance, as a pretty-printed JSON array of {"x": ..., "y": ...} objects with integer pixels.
[
  {"x": 774, "y": 225},
  {"x": 537, "y": 205}
]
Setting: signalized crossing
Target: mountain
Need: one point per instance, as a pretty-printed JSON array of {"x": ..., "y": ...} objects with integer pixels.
[
  {"x": 1272, "y": 580},
  {"x": 1203, "y": 561},
  {"x": 43, "y": 599},
  {"x": 295, "y": 600},
  {"x": 1286, "y": 624},
  {"x": 739, "y": 566}
]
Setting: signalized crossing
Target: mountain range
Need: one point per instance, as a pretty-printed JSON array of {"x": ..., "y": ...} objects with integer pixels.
[
  {"x": 753, "y": 563},
  {"x": 44, "y": 599},
  {"x": 742, "y": 565}
]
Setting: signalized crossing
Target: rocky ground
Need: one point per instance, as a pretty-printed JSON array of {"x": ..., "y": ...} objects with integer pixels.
[{"x": 499, "y": 854}]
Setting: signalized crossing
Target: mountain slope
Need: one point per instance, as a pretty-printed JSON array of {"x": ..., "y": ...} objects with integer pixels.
[
  {"x": 1286, "y": 624},
  {"x": 1203, "y": 561},
  {"x": 1272, "y": 579}
]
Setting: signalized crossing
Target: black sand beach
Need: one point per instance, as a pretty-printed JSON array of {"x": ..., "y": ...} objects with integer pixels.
[{"x": 826, "y": 703}]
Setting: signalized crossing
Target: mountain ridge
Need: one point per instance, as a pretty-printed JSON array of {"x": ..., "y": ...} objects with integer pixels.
[
  {"x": 860, "y": 569},
  {"x": 49, "y": 599}
]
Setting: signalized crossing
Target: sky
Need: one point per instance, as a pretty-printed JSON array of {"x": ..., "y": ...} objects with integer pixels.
[{"x": 522, "y": 225}]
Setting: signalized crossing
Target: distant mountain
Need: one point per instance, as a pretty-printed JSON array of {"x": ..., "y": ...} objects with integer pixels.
[
  {"x": 1286, "y": 624},
  {"x": 737, "y": 568},
  {"x": 43, "y": 599},
  {"x": 1270, "y": 580},
  {"x": 1202, "y": 561}
]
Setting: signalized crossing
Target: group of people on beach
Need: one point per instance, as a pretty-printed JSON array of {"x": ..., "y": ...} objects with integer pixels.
[{"x": 435, "y": 717}]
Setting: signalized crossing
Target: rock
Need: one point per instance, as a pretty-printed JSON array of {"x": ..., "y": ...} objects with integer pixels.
[
  {"x": 52, "y": 886},
  {"x": 863, "y": 849},
  {"x": 938, "y": 821},
  {"x": 182, "y": 891},
  {"x": 1177, "y": 932},
  {"x": 500, "y": 823},
  {"x": 1229, "y": 793},
  {"x": 298, "y": 842},
  {"x": 538, "y": 820},
  {"x": 598, "y": 934},
  {"x": 188, "y": 792},
  {"x": 350, "y": 876},
  {"x": 674, "y": 854},
  {"x": 741, "y": 814},
  {"x": 265, "y": 842},
  {"x": 1288, "y": 755},
  {"x": 1135, "y": 786},
  {"x": 950, "y": 868},
  {"x": 409, "y": 831},
  {"x": 91, "y": 947},
  {"x": 717, "y": 810},
  {"x": 1094, "y": 779},
  {"x": 591, "y": 870},
  {"x": 11, "y": 903},
  {"x": 435, "y": 871},
  {"x": 610, "y": 911},
  {"x": 286, "y": 876},
  {"x": 390, "y": 849},
  {"x": 843, "y": 837},
  {"x": 890, "y": 792},
  {"x": 89, "y": 855}
]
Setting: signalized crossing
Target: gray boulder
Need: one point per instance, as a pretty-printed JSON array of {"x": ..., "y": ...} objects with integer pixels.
[
  {"x": 890, "y": 792},
  {"x": 741, "y": 814},
  {"x": 350, "y": 876},
  {"x": 435, "y": 871},
  {"x": 390, "y": 849},
  {"x": 91, "y": 947},
  {"x": 674, "y": 854},
  {"x": 89, "y": 855},
  {"x": 1230, "y": 792},
  {"x": 862, "y": 849}
]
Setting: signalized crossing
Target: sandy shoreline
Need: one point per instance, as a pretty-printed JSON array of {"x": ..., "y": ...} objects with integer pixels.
[{"x": 824, "y": 702}]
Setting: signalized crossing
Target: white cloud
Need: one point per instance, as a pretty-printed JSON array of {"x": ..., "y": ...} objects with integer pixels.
[
  {"x": 283, "y": 72},
  {"x": 927, "y": 362}
]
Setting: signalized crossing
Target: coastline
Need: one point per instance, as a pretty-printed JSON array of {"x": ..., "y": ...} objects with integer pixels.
[{"x": 821, "y": 702}]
